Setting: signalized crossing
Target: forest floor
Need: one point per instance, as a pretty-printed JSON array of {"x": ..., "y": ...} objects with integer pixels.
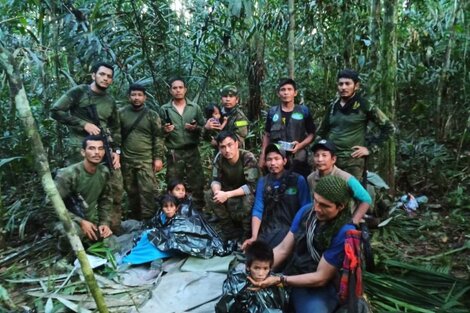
[{"x": 435, "y": 240}]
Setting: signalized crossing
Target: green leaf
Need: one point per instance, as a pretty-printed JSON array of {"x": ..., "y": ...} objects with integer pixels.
[{"x": 8, "y": 160}]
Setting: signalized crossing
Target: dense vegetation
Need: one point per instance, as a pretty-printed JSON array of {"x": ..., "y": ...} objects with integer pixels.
[{"x": 414, "y": 62}]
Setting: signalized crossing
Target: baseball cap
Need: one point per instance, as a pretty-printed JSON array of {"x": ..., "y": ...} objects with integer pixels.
[
  {"x": 272, "y": 147},
  {"x": 229, "y": 90},
  {"x": 324, "y": 144}
]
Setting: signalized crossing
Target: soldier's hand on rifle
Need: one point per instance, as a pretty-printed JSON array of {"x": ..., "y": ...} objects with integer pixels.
[
  {"x": 359, "y": 152},
  {"x": 89, "y": 229},
  {"x": 157, "y": 165},
  {"x": 91, "y": 129},
  {"x": 116, "y": 161},
  {"x": 105, "y": 231},
  {"x": 168, "y": 128}
]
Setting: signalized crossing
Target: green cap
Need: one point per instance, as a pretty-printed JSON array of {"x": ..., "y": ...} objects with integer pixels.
[{"x": 229, "y": 90}]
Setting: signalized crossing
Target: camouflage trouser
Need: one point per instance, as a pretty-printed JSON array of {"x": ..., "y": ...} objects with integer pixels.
[
  {"x": 354, "y": 166},
  {"x": 117, "y": 189},
  {"x": 141, "y": 187},
  {"x": 234, "y": 216},
  {"x": 186, "y": 165}
]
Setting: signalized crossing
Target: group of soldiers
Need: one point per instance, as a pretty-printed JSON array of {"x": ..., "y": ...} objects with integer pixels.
[{"x": 140, "y": 142}]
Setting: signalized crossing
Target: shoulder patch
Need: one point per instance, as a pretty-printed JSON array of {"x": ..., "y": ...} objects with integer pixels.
[
  {"x": 356, "y": 105},
  {"x": 241, "y": 123}
]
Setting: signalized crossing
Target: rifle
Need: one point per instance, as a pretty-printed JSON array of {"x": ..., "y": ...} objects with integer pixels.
[
  {"x": 76, "y": 204},
  {"x": 105, "y": 135}
]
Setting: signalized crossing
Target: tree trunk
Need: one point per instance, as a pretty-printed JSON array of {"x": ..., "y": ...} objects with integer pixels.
[
  {"x": 17, "y": 92},
  {"x": 388, "y": 66},
  {"x": 444, "y": 76},
  {"x": 291, "y": 53},
  {"x": 255, "y": 76},
  {"x": 374, "y": 29}
]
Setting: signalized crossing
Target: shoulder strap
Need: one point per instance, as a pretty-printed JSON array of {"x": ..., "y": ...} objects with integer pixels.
[{"x": 134, "y": 125}]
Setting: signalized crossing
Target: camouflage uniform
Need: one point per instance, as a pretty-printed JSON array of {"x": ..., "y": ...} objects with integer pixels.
[
  {"x": 73, "y": 110},
  {"x": 140, "y": 147},
  {"x": 94, "y": 188},
  {"x": 182, "y": 157},
  {"x": 235, "y": 214},
  {"x": 237, "y": 122},
  {"x": 346, "y": 126}
]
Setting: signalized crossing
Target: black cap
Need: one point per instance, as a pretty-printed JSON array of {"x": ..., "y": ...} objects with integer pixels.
[
  {"x": 272, "y": 147},
  {"x": 324, "y": 144}
]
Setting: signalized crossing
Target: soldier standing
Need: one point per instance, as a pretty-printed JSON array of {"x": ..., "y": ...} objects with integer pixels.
[
  {"x": 345, "y": 124},
  {"x": 290, "y": 124},
  {"x": 182, "y": 131},
  {"x": 142, "y": 153},
  {"x": 237, "y": 122}
]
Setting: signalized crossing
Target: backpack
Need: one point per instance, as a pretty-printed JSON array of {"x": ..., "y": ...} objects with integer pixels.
[{"x": 351, "y": 292}]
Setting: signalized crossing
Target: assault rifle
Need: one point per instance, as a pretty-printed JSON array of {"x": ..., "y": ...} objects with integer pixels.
[
  {"x": 105, "y": 135},
  {"x": 76, "y": 204}
]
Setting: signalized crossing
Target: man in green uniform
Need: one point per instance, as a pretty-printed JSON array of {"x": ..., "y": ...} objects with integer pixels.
[
  {"x": 142, "y": 153},
  {"x": 234, "y": 178},
  {"x": 182, "y": 132},
  {"x": 345, "y": 124},
  {"x": 237, "y": 122},
  {"x": 90, "y": 180},
  {"x": 87, "y": 110}
]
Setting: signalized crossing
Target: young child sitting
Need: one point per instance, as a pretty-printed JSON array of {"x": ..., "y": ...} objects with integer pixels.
[
  {"x": 240, "y": 296},
  {"x": 169, "y": 209},
  {"x": 184, "y": 202}
]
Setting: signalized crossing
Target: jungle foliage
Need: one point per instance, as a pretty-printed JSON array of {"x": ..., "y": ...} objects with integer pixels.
[{"x": 412, "y": 55}]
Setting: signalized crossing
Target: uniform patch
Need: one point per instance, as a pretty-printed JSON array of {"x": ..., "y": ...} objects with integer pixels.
[
  {"x": 291, "y": 191},
  {"x": 241, "y": 123},
  {"x": 356, "y": 105},
  {"x": 298, "y": 116},
  {"x": 276, "y": 117}
]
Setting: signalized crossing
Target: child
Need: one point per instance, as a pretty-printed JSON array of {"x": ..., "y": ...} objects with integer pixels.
[
  {"x": 213, "y": 115},
  {"x": 212, "y": 112},
  {"x": 169, "y": 208},
  {"x": 240, "y": 296},
  {"x": 177, "y": 189}
]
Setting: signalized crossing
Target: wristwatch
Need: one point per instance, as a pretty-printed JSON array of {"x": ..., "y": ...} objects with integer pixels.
[{"x": 118, "y": 151}]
